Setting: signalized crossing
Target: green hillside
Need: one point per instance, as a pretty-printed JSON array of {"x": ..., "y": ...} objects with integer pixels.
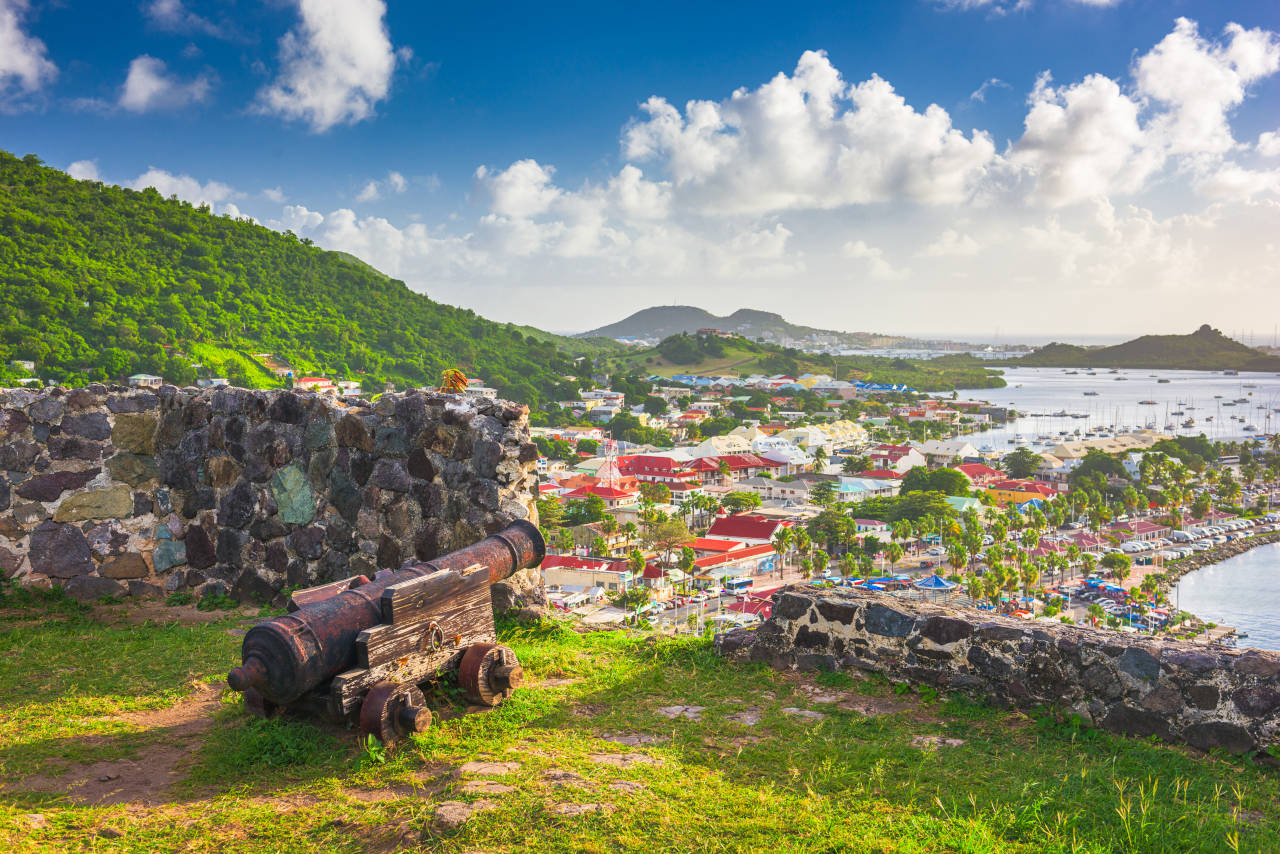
[
  {"x": 712, "y": 356},
  {"x": 1206, "y": 349},
  {"x": 98, "y": 282}
]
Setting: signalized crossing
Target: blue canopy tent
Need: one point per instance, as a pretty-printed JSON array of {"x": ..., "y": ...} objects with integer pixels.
[{"x": 935, "y": 584}]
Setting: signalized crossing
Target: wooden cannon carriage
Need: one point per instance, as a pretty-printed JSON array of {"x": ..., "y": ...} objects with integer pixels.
[{"x": 358, "y": 650}]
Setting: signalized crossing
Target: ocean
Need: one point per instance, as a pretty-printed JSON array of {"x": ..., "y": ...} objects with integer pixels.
[{"x": 1243, "y": 591}]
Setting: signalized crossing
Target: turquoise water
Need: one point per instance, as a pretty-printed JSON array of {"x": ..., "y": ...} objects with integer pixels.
[{"x": 1243, "y": 591}]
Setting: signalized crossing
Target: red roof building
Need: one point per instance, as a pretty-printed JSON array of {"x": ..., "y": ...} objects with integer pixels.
[
  {"x": 880, "y": 474},
  {"x": 740, "y": 466},
  {"x": 704, "y": 546},
  {"x": 980, "y": 474},
  {"x": 612, "y": 497},
  {"x": 745, "y": 528},
  {"x": 748, "y": 561},
  {"x": 655, "y": 469}
]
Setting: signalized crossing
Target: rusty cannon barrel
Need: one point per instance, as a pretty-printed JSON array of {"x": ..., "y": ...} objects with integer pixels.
[{"x": 286, "y": 657}]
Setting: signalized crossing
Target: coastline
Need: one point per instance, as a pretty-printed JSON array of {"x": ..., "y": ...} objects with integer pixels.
[{"x": 1173, "y": 572}]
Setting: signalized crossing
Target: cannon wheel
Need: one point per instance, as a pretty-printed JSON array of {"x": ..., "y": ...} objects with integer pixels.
[
  {"x": 489, "y": 673},
  {"x": 393, "y": 710}
]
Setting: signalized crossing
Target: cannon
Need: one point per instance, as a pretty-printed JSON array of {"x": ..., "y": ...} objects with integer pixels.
[{"x": 358, "y": 650}]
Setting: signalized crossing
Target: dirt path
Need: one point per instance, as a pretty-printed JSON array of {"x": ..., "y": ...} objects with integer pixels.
[{"x": 147, "y": 779}]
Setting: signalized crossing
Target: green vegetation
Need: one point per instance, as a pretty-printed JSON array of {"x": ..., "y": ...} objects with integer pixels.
[
  {"x": 708, "y": 355},
  {"x": 100, "y": 282},
  {"x": 852, "y": 780},
  {"x": 1206, "y": 349}
]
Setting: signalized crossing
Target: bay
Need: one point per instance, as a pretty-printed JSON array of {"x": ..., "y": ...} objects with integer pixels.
[{"x": 1241, "y": 591}]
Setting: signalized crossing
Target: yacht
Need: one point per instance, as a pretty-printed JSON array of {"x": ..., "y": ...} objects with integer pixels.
[
  {"x": 1249, "y": 428},
  {"x": 1146, "y": 403},
  {"x": 1190, "y": 422},
  {"x": 1090, "y": 394},
  {"x": 1162, "y": 380}
]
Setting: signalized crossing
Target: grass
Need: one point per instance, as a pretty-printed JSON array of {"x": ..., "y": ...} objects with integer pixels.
[
  {"x": 217, "y": 356},
  {"x": 847, "y": 782}
]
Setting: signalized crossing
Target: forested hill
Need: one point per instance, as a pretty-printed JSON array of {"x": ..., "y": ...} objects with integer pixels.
[
  {"x": 98, "y": 282},
  {"x": 1206, "y": 349}
]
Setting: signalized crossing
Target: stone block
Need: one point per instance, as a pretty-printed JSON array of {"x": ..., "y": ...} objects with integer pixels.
[
  {"x": 112, "y": 502},
  {"x": 128, "y": 565},
  {"x": 133, "y": 469},
  {"x": 135, "y": 433},
  {"x": 888, "y": 622},
  {"x": 91, "y": 588},
  {"x": 90, "y": 425},
  {"x": 293, "y": 496},
  {"x": 59, "y": 551},
  {"x": 49, "y": 487}
]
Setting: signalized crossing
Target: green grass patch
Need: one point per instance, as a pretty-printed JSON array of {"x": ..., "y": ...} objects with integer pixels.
[{"x": 844, "y": 782}]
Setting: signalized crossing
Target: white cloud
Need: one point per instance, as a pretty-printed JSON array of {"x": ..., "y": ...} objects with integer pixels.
[
  {"x": 149, "y": 87},
  {"x": 183, "y": 186},
  {"x": 522, "y": 190},
  {"x": 394, "y": 182},
  {"x": 336, "y": 65},
  {"x": 1231, "y": 181},
  {"x": 877, "y": 265},
  {"x": 809, "y": 141},
  {"x": 952, "y": 243},
  {"x": 1199, "y": 82},
  {"x": 274, "y": 194},
  {"x": 980, "y": 94},
  {"x": 24, "y": 64},
  {"x": 83, "y": 170},
  {"x": 1269, "y": 143},
  {"x": 173, "y": 16}
]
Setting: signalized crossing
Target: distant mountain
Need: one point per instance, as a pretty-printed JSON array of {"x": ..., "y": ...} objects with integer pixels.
[
  {"x": 661, "y": 321},
  {"x": 1206, "y": 349}
]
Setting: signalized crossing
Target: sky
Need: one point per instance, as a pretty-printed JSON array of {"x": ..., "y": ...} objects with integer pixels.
[{"x": 981, "y": 168}]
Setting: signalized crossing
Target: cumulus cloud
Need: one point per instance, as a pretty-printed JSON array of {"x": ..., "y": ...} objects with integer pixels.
[
  {"x": 24, "y": 64},
  {"x": 809, "y": 141},
  {"x": 1096, "y": 138},
  {"x": 83, "y": 170},
  {"x": 274, "y": 194},
  {"x": 335, "y": 66},
  {"x": 1198, "y": 82},
  {"x": 184, "y": 187},
  {"x": 149, "y": 86}
]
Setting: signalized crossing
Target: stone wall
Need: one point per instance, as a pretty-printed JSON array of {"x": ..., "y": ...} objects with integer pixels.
[
  {"x": 108, "y": 491},
  {"x": 1206, "y": 697}
]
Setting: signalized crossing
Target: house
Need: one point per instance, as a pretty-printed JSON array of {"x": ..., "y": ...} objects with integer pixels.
[
  {"x": 320, "y": 385},
  {"x": 747, "y": 528},
  {"x": 349, "y": 388},
  {"x": 898, "y": 458},
  {"x": 979, "y": 474},
  {"x": 941, "y": 452},
  {"x": 1006, "y": 492},
  {"x": 741, "y": 563},
  {"x": 673, "y": 473},
  {"x": 739, "y": 465},
  {"x": 706, "y": 546},
  {"x": 795, "y": 491},
  {"x": 213, "y": 382},
  {"x": 613, "y": 497},
  {"x": 570, "y": 571},
  {"x": 963, "y": 504},
  {"x": 146, "y": 381},
  {"x": 617, "y": 543},
  {"x": 870, "y": 526},
  {"x": 880, "y": 474},
  {"x": 1139, "y": 529},
  {"x": 715, "y": 446},
  {"x": 26, "y": 364},
  {"x": 860, "y": 488}
]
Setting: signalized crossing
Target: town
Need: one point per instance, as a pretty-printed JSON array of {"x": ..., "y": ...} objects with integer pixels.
[{"x": 686, "y": 503}]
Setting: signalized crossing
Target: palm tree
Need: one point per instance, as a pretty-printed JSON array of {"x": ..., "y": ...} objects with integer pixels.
[
  {"x": 893, "y": 553},
  {"x": 820, "y": 559},
  {"x": 781, "y": 543},
  {"x": 819, "y": 458}
]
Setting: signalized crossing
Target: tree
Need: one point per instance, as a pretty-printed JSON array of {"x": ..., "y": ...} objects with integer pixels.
[
  {"x": 658, "y": 493},
  {"x": 599, "y": 546},
  {"x": 550, "y": 512},
  {"x": 1118, "y": 564},
  {"x": 737, "y": 502},
  {"x": 666, "y": 535},
  {"x": 636, "y": 562},
  {"x": 781, "y": 543},
  {"x": 655, "y": 405},
  {"x": 819, "y": 458},
  {"x": 823, "y": 493},
  {"x": 1021, "y": 463},
  {"x": 855, "y": 464},
  {"x": 820, "y": 559}
]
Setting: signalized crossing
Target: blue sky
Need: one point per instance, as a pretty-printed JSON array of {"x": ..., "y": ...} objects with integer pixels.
[{"x": 542, "y": 164}]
